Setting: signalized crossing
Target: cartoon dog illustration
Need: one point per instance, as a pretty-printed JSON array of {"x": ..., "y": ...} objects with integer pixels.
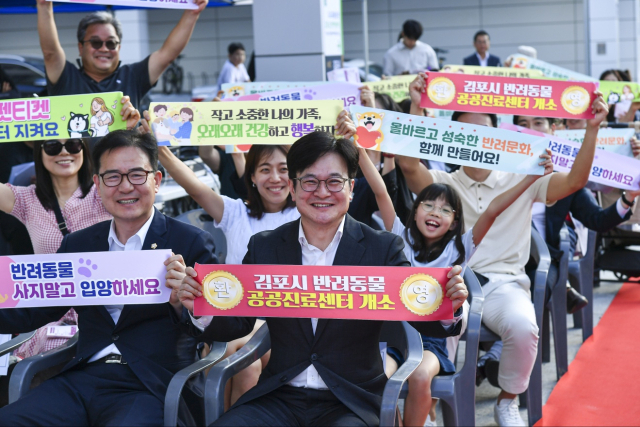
[
  {"x": 235, "y": 91},
  {"x": 368, "y": 133},
  {"x": 79, "y": 126}
]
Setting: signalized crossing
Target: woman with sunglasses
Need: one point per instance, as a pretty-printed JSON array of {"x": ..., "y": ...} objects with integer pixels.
[{"x": 64, "y": 188}]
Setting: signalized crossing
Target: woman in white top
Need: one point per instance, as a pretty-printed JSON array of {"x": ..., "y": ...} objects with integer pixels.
[
  {"x": 268, "y": 206},
  {"x": 434, "y": 236}
]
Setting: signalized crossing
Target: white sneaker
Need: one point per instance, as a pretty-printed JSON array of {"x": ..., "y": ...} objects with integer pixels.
[
  {"x": 506, "y": 413},
  {"x": 430, "y": 422}
]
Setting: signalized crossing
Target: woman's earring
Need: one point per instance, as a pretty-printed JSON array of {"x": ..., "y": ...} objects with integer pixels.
[{"x": 254, "y": 185}]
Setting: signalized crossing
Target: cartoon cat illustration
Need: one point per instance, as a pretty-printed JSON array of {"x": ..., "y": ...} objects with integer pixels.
[
  {"x": 368, "y": 133},
  {"x": 79, "y": 126}
]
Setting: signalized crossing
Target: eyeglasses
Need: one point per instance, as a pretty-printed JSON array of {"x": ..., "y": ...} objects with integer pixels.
[
  {"x": 334, "y": 185},
  {"x": 53, "y": 147},
  {"x": 113, "y": 179},
  {"x": 429, "y": 207},
  {"x": 97, "y": 43}
]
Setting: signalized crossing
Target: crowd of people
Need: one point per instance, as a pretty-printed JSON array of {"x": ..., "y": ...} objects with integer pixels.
[{"x": 311, "y": 203}]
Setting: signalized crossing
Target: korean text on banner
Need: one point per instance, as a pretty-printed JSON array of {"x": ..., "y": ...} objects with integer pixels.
[
  {"x": 162, "y": 4},
  {"x": 446, "y": 141},
  {"x": 396, "y": 87},
  {"x": 75, "y": 279},
  {"x": 60, "y": 117},
  {"x": 492, "y": 71},
  {"x": 549, "y": 70},
  {"x": 235, "y": 90},
  {"x": 614, "y": 140},
  {"x": 334, "y": 292},
  {"x": 508, "y": 95},
  {"x": 608, "y": 168},
  {"x": 241, "y": 122},
  {"x": 348, "y": 93}
]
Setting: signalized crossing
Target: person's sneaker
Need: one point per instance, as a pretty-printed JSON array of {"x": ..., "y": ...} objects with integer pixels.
[
  {"x": 506, "y": 413},
  {"x": 575, "y": 301},
  {"x": 430, "y": 422}
]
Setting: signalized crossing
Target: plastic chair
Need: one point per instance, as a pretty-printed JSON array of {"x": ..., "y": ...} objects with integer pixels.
[
  {"x": 556, "y": 306},
  {"x": 199, "y": 218},
  {"x": 581, "y": 278},
  {"x": 458, "y": 392},
  {"x": 22, "y": 376},
  {"x": 15, "y": 342},
  {"x": 532, "y": 397},
  {"x": 260, "y": 343}
]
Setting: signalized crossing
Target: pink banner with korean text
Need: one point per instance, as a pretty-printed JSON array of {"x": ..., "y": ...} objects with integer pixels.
[
  {"x": 509, "y": 95},
  {"x": 348, "y": 93},
  {"x": 75, "y": 279},
  {"x": 159, "y": 4},
  {"x": 332, "y": 292},
  {"x": 608, "y": 168}
]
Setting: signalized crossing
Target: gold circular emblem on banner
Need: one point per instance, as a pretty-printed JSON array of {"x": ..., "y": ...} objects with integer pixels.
[
  {"x": 222, "y": 290},
  {"x": 421, "y": 294},
  {"x": 441, "y": 90},
  {"x": 575, "y": 100}
]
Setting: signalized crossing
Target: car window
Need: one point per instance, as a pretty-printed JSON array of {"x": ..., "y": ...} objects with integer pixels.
[{"x": 21, "y": 75}]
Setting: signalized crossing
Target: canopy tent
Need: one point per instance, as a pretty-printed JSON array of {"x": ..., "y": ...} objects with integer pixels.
[{"x": 29, "y": 6}]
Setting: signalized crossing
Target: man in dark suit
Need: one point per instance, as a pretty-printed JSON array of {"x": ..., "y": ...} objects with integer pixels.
[
  {"x": 127, "y": 354},
  {"x": 321, "y": 372},
  {"x": 482, "y": 56}
]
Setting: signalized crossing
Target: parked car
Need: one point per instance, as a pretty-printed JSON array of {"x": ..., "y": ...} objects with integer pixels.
[{"x": 27, "y": 73}]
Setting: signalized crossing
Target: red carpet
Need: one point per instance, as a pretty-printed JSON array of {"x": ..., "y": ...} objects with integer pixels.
[{"x": 602, "y": 387}]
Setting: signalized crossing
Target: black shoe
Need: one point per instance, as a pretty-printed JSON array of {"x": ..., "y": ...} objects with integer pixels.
[
  {"x": 575, "y": 301},
  {"x": 491, "y": 368},
  {"x": 480, "y": 375}
]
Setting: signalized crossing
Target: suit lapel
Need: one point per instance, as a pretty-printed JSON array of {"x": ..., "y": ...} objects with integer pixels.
[
  {"x": 155, "y": 239},
  {"x": 350, "y": 252}
]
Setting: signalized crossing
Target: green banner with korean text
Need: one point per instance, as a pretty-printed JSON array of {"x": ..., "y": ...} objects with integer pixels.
[
  {"x": 241, "y": 122},
  {"x": 60, "y": 117}
]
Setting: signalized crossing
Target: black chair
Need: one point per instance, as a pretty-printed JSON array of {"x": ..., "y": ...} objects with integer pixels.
[
  {"x": 22, "y": 376},
  {"x": 199, "y": 218},
  {"x": 532, "y": 397},
  {"x": 556, "y": 308},
  {"x": 400, "y": 335}
]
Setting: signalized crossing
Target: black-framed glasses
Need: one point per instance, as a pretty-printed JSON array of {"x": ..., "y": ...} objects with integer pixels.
[
  {"x": 113, "y": 179},
  {"x": 53, "y": 147},
  {"x": 97, "y": 43},
  {"x": 334, "y": 185},
  {"x": 429, "y": 207}
]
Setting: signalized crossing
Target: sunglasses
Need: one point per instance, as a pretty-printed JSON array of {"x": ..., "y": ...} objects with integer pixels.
[
  {"x": 53, "y": 148},
  {"x": 97, "y": 44}
]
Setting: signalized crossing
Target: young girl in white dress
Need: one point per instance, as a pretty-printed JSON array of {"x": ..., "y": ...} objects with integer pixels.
[{"x": 434, "y": 236}]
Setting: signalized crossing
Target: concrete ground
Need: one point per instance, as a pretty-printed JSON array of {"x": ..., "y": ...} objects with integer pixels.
[{"x": 486, "y": 394}]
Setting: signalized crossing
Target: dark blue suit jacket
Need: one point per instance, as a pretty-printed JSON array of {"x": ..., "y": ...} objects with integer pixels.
[
  {"x": 151, "y": 343},
  {"x": 472, "y": 59},
  {"x": 345, "y": 352},
  {"x": 584, "y": 208}
]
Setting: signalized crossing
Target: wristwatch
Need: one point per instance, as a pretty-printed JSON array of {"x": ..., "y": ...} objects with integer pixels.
[{"x": 625, "y": 201}]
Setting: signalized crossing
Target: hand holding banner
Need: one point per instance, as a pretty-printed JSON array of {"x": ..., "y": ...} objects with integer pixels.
[
  {"x": 608, "y": 168},
  {"x": 61, "y": 117},
  {"x": 241, "y": 122},
  {"x": 508, "y": 95},
  {"x": 446, "y": 141},
  {"x": 353, "y": 292},
  {"x": 75, "y": 279}
]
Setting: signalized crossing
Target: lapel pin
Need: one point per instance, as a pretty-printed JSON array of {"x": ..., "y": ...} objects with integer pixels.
[{"x": 154, "y": 245}]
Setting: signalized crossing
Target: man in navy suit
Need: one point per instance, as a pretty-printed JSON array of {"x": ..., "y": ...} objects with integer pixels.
[
  {"x": 321, "y": 372},
  {"x": 127, "y": 354},
  {"x": 482, "y": 56}
]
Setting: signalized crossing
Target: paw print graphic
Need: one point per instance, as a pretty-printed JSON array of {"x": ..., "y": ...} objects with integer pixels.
[
  {"x": 85, "y": 270},
  {"x": 308, "y": 94}
]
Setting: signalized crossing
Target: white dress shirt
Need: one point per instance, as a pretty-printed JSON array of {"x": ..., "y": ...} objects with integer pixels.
[
  {"x": 134, "y": 243},
  {"x": 483, "y": 62},
  {"x": 400, "y": 58},
  {"x": 232, "y": 74}
]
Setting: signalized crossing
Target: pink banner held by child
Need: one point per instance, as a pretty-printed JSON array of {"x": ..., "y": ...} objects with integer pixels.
[{"x": 509, "y": 95}]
